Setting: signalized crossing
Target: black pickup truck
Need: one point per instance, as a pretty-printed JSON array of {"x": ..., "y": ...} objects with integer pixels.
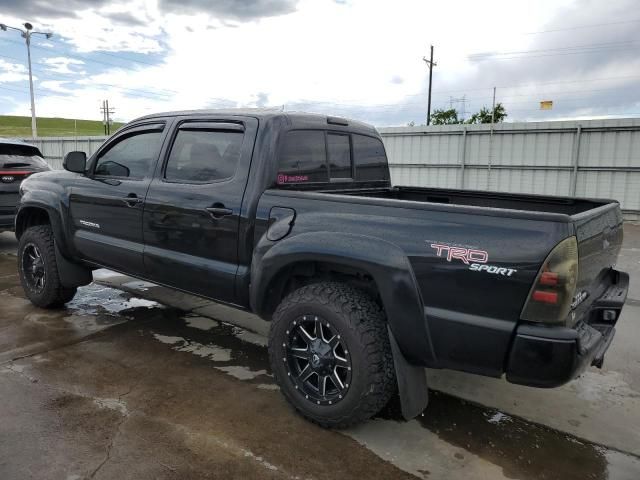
[{"x": 293, "y": 217}]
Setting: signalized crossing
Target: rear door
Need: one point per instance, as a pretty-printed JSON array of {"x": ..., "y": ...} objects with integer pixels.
[
  {"x": 192, "y": 210},
  {"x": 106, "y": 205}
]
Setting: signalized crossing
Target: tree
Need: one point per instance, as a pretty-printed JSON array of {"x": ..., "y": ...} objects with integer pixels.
[
  {"x": 445, "y": 117},
  {"x": 484, "y": 115}
]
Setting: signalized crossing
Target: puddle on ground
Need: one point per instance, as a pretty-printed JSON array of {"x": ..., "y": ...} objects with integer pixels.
[
  {"x": 522, "y": 450},
  {"x": 517, "y": 448},
  {"x": 231, "y": 349},
  {"x": 93, "y": 298}
]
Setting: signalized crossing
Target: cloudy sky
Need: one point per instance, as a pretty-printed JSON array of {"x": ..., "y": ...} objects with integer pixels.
[{"x": 357, "y": 58}]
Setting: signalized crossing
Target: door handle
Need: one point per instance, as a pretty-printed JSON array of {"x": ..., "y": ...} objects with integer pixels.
[
  {"x": 218, "y": 212},
  {"x": 132, "y": 200}
]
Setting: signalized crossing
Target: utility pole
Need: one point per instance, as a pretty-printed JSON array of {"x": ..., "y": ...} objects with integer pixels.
[
  {"x": 493, "y": 117},
  {"x": 26, "y": 34},
  {"x": 493, "y": 108},
  {"x": 106, "y": 116},
  {"x": 430, "y": 63},
  {"x": 103, "y": 109}
]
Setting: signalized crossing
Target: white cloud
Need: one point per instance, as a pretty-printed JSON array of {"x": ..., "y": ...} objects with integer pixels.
[
  {"x": 12, "y": 72},
  {"x": 362, "y": 57},
  {"x": 62, "y": 64}
]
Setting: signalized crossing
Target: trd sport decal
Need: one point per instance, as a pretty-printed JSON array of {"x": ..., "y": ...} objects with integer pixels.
[{"x": 476, "y": 259}]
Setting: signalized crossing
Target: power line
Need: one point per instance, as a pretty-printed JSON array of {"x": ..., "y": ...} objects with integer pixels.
[
  {"x": 405, "y": 96},
  {"x": 110, "y": 54},
  {"x": 573, "y": 47},
  {"x": 594, "y": 25},
  {"x": 577, "y": 50}
]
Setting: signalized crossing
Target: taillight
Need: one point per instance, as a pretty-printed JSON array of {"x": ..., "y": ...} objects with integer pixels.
[{"x": 550, "y": 297}]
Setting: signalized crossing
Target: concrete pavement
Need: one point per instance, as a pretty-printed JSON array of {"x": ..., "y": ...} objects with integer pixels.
[{"x": 118, "y": 385}]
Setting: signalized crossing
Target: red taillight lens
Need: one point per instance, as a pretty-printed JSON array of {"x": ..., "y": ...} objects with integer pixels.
[
  {"x": 545, "y": 297},
  {"x": 549, "y": 279},
  {"x": 552, "y": 291}
]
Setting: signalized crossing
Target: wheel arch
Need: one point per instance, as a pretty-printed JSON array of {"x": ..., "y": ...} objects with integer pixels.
[
  {"x": 32, "y": 213},
  {"x": 382, "y": 266},
  {"x": 71, "y": 273}
]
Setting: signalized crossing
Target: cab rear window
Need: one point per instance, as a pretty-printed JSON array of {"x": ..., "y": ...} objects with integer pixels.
[
  {"x": 370, "y": 159},
  {"x": 319, "y": 156}
]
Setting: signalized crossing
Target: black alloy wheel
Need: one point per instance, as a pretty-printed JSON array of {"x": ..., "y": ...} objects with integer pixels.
[
  {"x": 34, "y": 268},
  {"x": 317, "y": 360}
]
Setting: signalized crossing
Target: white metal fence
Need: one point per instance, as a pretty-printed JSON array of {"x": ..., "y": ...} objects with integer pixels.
[
  {"x": 55, "y": 148},
  {"x": 590, "y": 158}
]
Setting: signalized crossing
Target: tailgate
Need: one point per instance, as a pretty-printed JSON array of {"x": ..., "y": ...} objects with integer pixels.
[{"x": 599, "y": 235}]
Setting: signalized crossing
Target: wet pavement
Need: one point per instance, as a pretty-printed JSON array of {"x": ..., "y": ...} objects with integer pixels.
[{"x": 118, "y": 386}]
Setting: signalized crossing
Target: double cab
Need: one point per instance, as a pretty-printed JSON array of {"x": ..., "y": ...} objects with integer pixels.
[{"x": 294, "y": 217}]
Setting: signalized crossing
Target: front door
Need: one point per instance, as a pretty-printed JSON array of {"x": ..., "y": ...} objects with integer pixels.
[
  {"x": 106, "y": 205},
  {"x": 192, "y": 210}
]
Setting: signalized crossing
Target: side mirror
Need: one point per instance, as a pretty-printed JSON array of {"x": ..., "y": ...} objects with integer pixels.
[{"x": 75, "y": 162}]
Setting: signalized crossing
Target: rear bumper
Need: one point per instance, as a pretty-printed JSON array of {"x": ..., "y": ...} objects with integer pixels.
[{"x": 547, "y": 356}]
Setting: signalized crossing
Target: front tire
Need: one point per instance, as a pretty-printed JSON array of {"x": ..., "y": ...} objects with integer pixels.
[
  {"x": 330, "y": 353},
  {"x": 38, "y": 269}
]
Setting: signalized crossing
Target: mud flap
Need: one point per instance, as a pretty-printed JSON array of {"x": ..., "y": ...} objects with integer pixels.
[
  {"x": 412, "y": 383},
  {"x": 71, "y": 274}
]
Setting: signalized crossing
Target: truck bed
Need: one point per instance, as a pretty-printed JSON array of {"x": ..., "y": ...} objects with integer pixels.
[{"x": 535, "y": 203}]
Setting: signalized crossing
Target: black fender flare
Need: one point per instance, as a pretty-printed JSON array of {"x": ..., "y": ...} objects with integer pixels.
[
  {"x": 389, "y": 267},
  {"x": 385, "y": 262},
  {"x": 71, "y": 273}
]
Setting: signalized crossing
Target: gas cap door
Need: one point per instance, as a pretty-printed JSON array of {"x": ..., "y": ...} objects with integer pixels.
[{"x": 281, "y": 220}]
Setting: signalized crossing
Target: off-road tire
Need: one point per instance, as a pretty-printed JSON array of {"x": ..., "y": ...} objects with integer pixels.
[
  {"x": 362, "y": 326},
  {"x": 54, "y": 294}
]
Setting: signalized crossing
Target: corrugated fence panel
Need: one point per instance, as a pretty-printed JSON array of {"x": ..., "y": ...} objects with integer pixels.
[
  {"x": 586, "y": 158},
  {"x": 55, "y": 148}
]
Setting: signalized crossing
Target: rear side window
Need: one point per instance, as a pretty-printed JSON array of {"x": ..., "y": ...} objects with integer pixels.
[
  {"x": 202, "y": 156},
  {"x": 339, "y": 156},
  {"x": 370, "y": 159},
  {"x": 131, "y": 156}
]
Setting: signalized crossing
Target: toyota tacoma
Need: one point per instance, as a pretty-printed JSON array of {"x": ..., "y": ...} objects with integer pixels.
[{"x": 293, "y": 217}]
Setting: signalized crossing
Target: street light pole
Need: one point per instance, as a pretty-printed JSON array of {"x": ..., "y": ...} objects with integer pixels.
[
  {"x": 26, "y": 34},
  {"x": 34, "y": 127}
]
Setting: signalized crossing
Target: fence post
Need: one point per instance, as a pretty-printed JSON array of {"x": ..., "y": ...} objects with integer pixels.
[
  {"x": 575, "y": 156},
  {"x": 463, "y": 155}
]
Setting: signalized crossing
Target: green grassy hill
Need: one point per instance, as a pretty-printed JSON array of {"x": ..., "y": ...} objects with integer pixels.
[{"x": 13, "y": 126}]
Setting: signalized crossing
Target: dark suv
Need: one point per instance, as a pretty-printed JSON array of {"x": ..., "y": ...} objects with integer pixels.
[{"x": 18, "y": 160}]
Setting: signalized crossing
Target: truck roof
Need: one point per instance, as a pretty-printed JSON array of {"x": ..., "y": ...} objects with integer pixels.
[{"x": 295, "y": 119}]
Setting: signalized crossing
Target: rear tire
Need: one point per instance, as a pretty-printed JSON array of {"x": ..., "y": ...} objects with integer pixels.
[
  {"x": 38, "y": 269},
  {"x": 351, "y": 351}
]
